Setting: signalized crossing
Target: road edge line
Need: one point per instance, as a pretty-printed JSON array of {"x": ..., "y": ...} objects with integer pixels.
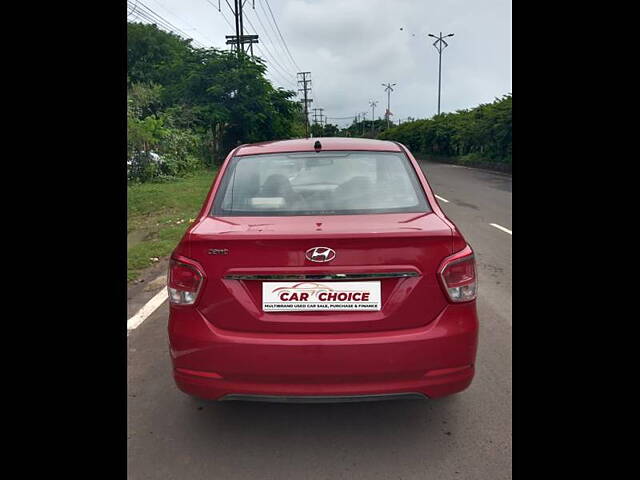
[
  {"x": 147, "y": 309},
  {"x": 500, "y": 227}
]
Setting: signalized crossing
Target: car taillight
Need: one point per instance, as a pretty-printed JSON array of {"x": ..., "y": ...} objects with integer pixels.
[
  {"x": 458, "y": 275},
  {"x": 184, "y": 283}
]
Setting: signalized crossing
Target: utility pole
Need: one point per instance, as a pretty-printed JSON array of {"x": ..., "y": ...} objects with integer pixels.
[
  {"x": 306, "y": 89},
  {"x": 236, "y": 12},
  {"x": 440, "y": 45},
  {"x": 373, "y": 106},
  {"x": 364, "y": 121},
  {"x": 388, "y": 89},
  {"x": 315, "y": 116},
  {"x": 320, "y": 114},
  {"x": 239, "y": 10},
  {"x": 240, "y": 39}
]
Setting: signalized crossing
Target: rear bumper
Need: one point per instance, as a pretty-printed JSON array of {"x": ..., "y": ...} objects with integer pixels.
[{"x": 434, "y": 361}]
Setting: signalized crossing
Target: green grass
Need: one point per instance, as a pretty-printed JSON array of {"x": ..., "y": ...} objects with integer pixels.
[{"x": 159, "y": 214}]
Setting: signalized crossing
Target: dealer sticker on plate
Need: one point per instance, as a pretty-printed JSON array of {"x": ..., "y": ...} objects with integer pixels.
[{"x": 318, "y": 296}]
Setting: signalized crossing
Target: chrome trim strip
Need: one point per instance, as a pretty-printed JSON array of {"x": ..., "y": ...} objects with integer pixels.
[
  {"x": 323, "y": 398},
  {"x": 324, "y": 276}
]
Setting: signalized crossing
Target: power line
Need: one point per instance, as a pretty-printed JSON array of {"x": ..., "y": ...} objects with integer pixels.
[
  {"x": 141, "y": 15},
  {"x": 271, "y": 42},
  {"x": 280, "y": 34},
  {"x": 133, "y": 10},
  {"x": 146, "y": 18},
  {"x": 225, "y": 19},
  {"x": 222, "y": 13},
  {"x": 274, "y": 69},
  {"x": 275, "y": 33},
  {"x": 269, "y": 52},
  {"x": 153, "y": 17},
  {"x": 178, "y": 18},
  {"x": 284, "y": 75},
  {"x": 153, "y": 14}
]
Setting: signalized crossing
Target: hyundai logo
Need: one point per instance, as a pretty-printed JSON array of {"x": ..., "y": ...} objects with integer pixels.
[{"x": 320, "y": 254}]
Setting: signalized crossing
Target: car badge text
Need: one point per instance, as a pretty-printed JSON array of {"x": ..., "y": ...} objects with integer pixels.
[{"x": 218, "y": 251}]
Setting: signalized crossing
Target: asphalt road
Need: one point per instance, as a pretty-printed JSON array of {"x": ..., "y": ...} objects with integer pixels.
[{"x": 465, "y": 436}]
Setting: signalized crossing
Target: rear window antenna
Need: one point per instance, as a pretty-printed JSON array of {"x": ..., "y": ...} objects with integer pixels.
[{"x": 317, "y": 146}]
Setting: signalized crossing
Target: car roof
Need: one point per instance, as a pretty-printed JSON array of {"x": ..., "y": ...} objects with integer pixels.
[{"x": 328, "y": 143}]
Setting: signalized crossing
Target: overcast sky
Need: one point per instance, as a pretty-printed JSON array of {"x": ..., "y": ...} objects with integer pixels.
[{"x": 351, "y": 47}]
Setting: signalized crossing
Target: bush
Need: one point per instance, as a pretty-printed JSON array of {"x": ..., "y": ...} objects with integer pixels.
[
  {"x": 156, "y": 151},
  {"x": 480, "y": 134},
  {"x": 174, "y": 156},
  {"x": 141, "y": 167},
  {"x": 179, "y": 149}
]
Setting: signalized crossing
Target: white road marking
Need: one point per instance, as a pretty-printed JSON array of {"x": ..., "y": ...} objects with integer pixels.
[
  {"x": 149, "y": 307},
  {"x": 443, "y": 199},
  {"x": 499, "y": 227}
]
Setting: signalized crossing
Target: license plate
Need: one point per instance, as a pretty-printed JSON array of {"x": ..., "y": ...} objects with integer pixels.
[{"x": 321, "y": 296}]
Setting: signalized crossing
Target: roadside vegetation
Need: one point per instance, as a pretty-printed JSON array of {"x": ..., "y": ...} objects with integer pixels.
[
  {"x": 478, "y": 135},
  {"x": 187, "y": 107},
  {"x": 159, "y": 214}
]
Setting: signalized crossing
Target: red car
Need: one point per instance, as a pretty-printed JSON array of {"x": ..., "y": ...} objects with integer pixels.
[{"x": 322, "y": 270}]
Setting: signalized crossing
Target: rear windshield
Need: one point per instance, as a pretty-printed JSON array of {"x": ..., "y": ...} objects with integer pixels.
[{"x": 323, "y": 183}]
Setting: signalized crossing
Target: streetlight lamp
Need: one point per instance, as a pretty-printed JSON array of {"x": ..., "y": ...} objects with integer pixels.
[
  {"x": 440, "y": 45},
  {"x": 388, "y": 89}
]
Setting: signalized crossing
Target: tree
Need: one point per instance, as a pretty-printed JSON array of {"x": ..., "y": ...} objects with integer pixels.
[{"x": 223, "y": 98}]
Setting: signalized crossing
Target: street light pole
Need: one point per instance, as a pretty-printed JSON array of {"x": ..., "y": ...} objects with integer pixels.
[
  {"x": 388, "y": 89},
  {"x": 440, "y": 45}
]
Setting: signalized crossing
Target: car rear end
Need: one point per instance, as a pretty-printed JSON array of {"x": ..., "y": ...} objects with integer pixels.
[{"x": 322, "y": 275}]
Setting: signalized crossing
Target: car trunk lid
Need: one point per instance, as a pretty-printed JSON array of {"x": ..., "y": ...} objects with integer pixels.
[{"x": 400, "y": 251}]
